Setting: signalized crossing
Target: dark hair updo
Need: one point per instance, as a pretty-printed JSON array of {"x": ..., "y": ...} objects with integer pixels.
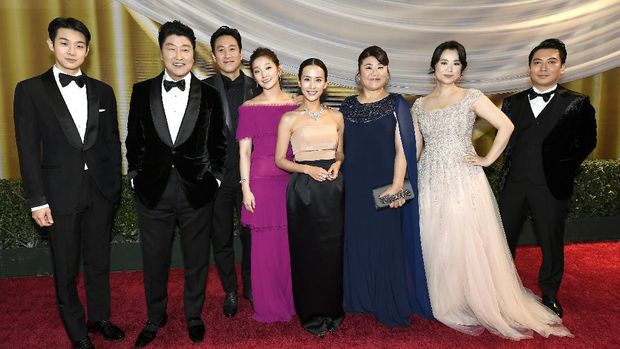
[
  {"x": 263, "y": 52},
  {"x": 373, "y": 51},
  {"x": 449, "y": 45},
  {"x": 312, "y": 61}
]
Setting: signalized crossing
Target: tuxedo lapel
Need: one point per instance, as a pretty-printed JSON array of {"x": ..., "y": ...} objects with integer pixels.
[
  {"x": 523, "y": 111},
  {"x": 157, "y": 111},
  {"x": 219, "y": 86},
  {"x": 554, "y": 110},
  {"x": 92, "y": 123},
  {"x": 59, "y": 107},
  {"x": 191, "y": 112},
  {"x": 248, "y": 90}
]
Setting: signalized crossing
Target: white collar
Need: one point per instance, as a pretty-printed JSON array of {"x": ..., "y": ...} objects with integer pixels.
[
  {"x": 187, "y": 77},
  {"x": 57, "y": 71},
  {"x": 547, "y": 90}
]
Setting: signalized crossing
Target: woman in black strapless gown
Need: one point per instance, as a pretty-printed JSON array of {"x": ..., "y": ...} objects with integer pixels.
[{"x": 314, "y": 202}]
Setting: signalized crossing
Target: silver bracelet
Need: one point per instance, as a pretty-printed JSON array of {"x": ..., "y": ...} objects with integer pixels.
[{"x": 243, "y": 180}]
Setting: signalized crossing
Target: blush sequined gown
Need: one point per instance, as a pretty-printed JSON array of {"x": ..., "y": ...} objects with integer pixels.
[{"x": 472, "y": 280}]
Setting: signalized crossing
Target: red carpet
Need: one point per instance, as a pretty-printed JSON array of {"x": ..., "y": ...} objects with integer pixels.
[{"x": 589, "y": 294}]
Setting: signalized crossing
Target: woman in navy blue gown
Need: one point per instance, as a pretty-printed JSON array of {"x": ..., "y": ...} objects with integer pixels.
[{"x": 383, "y": 267}]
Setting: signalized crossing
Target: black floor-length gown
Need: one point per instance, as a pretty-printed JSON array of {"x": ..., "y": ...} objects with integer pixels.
[{"x": 315, "y": 226}]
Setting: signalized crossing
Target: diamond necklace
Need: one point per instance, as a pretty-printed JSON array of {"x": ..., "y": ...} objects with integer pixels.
[{"x": 315, "y": 115}]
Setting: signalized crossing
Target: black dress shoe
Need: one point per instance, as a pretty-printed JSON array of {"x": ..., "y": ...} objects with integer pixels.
[
  {"x": 83, "y": 344},
  {"x": 196, "y": 332},
  {"x": 230, "y": 304},
  {"x": 107, "y": 329},
  {"x": 247, "y": 294},
  {"x": 553, "y": 304},
  {"x": 148, "y": 334}
]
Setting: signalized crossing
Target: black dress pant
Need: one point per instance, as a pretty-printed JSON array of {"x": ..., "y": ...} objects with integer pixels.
[
  {"x": 85, "y": 233},
  {"x": 228, "y": 200},
  {"x": 157, "y": 227},
  {"x": 548, "y": 215}
]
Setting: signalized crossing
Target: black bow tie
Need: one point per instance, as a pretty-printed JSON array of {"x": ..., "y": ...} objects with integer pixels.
[
  {"x": 168, "y": 85},
  {"x": 66, "y": 79},
  {"x": 545, "y": 96}
]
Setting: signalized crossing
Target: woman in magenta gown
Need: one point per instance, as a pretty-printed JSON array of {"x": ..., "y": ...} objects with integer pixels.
[{"x": 264, "y": 191}]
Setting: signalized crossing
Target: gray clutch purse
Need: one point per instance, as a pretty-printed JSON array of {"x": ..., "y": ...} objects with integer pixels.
[{"x": 406, "y": 193}]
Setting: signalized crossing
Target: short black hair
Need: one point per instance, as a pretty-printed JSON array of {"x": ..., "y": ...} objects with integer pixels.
[
  {"x": 69, "y": 23},
  {"x": 223, "y": 31},
  {"x": 552, "y": 43},
  {"x": 175, "y": 28},
  {"x": 449, "y": 45},
  {"x": 312, "y": 61}
]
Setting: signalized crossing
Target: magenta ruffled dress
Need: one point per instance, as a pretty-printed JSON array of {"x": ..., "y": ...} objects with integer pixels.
[{"x": 271, "y": 266}]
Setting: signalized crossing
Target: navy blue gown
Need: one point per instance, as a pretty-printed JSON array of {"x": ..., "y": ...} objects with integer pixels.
[{"x": 383, "y": 266}]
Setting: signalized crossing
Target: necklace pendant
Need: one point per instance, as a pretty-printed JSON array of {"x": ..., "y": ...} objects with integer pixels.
[{"x": 314, "y": 115}]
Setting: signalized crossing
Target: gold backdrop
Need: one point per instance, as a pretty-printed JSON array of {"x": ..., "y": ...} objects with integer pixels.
[{"x": 124, "y": 50}]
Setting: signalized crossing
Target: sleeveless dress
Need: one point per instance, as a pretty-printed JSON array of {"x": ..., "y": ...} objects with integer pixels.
[
  {"x": 270, "y": 259},
  {"x": 471, "y": 276},
  {"x": 315, "y": 226},
  {"x": 383, "y": 267}
]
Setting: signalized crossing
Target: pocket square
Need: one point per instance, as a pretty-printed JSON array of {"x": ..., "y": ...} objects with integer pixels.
[{"x": 101, "y": 110}]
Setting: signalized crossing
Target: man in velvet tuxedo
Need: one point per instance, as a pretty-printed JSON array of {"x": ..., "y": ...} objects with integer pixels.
[
  {"x": 69, "y": 154},
  {"x": 176, "y": 149},
  {"x": 555, "y": 130},
  {"x": 234, "y": 88}
]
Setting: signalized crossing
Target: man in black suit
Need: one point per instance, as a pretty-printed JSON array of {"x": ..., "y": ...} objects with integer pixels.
[
  {"x": 176, "y": 149},
  {"x": 234, "y": 88},
  {"x": 555, "y": 130},
  {"x": 69, "y": 154}
]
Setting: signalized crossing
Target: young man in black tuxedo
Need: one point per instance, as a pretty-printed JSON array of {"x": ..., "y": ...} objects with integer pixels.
[
  {"x": 555, "y": 130},
  {"x": 70, "y": 160},
  {"x": 234, "y": 88},
  {"x": 176, "y": 149}
]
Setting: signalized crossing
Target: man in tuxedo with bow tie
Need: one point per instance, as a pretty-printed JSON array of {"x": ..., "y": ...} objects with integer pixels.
[
  {"x": 176, "y": 149},
  {"x": 555, "y": 130},
  {"x": 70, "y": 160}
]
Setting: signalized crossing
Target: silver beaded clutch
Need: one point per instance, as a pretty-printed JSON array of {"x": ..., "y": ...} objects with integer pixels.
[{"x": 406, "y": 193}]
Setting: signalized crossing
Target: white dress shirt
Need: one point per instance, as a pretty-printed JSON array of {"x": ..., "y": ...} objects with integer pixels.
[
  {"x": 538, "y": 103},
  {"x": 175, "y": 103},
  {"x": 77, "y": 103}
]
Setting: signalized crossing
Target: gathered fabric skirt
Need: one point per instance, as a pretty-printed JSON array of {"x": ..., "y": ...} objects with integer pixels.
[
  {"x": 315, "y": 213},
  {"x": 472, "y": 279},
  {"x": 270, "y": 257}
]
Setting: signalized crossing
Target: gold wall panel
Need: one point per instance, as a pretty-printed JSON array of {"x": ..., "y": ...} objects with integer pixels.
[{"x": 124, "y": 50}]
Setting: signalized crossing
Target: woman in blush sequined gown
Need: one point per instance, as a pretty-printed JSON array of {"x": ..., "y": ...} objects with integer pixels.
[
  {"x": 383, "y": 267},
  {"x": 314, "y": 202},
  {"x": 264, "y": 191},
  {"x": 472, "y": 279}
]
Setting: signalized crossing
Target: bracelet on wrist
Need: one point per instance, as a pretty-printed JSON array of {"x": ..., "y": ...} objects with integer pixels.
[{"x": 243, "y": 180}]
